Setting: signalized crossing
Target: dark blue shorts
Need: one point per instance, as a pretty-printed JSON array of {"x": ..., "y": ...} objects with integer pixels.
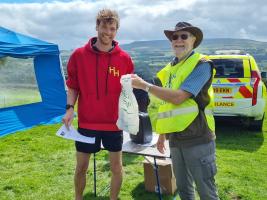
[{"x": 111, "y": 141}]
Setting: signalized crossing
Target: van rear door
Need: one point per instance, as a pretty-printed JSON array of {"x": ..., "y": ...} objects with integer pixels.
[{"x": 232, "y": 85}]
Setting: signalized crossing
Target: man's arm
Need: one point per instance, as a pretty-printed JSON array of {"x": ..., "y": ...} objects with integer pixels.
[
  {"x": 166, "y": 94},
  {"x": 191, "y": 86},
  {"x": 72, "y": 96},
  {"x": 172, "y": 96},
  {"x": 71, "y": 99}
]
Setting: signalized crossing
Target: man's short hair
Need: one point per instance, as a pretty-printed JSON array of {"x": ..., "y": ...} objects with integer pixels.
[{"x": 108, "y": 16}]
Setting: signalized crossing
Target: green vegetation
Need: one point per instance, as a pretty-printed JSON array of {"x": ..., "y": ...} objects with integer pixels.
[
  {"x": 36, "y": 164},
  {"x": 241, "y": 159},
  {"x": 17, "y": 71},
  {"x": 150, "y": 56},
  {"x": 156, "y": 54},
  {"x": 16, "y": 96},
  {"x": 17, "y": 82}
]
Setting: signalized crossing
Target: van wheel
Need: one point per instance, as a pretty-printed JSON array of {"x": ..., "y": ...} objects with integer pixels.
[{"x": 256, "y": 125}]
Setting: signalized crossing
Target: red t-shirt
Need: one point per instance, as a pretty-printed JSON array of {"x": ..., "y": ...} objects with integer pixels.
[{"x": 96, "y": 76}]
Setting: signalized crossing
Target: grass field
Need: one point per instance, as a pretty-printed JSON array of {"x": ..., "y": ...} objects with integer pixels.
[
  {"x": 18, "y": 96},
  {"x": 36, "y": 164}
]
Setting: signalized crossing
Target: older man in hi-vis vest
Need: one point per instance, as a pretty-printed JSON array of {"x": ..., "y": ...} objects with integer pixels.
[{"x": 183, "y": 105}]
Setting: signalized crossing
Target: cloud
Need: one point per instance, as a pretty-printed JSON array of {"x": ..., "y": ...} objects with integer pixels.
[
  {"x": 70, "y": 24},
  {"x": 233, "y": 19}
]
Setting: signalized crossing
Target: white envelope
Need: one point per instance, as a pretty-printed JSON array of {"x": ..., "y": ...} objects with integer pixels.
[{"x": 73, "y": 134}]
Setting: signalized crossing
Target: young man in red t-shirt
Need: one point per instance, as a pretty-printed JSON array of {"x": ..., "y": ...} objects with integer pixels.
[{"x": 94, "y": 72}]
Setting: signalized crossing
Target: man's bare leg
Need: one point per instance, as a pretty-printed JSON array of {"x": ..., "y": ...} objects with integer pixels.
[
  {"x": 80, "y": 174},
  {"x": 115, "y": 159}
]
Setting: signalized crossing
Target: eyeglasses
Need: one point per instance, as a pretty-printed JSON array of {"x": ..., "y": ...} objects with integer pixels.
[{"x": 182, "y": 36}]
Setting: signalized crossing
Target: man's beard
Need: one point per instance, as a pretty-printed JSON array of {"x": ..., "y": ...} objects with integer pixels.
[{"x": 104, "y": 41}]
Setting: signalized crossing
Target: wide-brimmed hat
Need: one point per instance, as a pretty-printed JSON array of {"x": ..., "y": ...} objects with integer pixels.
[{"x": 184, "y": 26}]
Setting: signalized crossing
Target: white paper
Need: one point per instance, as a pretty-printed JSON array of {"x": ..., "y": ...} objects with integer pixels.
[{"x": 73, "y": 134}]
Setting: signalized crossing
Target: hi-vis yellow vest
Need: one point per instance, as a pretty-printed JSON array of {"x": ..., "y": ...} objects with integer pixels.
[{"x": 175, "y": 118}]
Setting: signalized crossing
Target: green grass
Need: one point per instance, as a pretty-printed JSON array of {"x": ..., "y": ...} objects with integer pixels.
[
  {"x": 241, "y": 159},
  {"x": 36, "y": 164},
  {"x": 18, "y": 96}
]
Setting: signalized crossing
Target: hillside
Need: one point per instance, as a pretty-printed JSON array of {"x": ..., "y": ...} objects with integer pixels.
[
  {"x": 150, "y": 56},
  {"x": 207, "y": 44}
]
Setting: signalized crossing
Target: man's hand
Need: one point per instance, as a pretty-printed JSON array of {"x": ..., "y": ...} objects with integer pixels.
[
  {"x": 160, "y": 144},
  {"x": 68, "y": 118},
  {"x": 138, "y": 82}
]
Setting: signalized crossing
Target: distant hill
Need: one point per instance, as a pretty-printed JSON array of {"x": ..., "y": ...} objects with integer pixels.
[
  {"x": 241, "y": 43},
  {"x": 165, "y": 44},
  {"x": 150, "y": 56},
  {"x": 207, "y": 44}
]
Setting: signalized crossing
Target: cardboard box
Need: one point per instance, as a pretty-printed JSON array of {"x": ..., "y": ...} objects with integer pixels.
[{"x": 165, "y": 172}]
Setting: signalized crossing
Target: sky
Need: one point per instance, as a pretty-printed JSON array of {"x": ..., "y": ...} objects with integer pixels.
[{"x": 71, "y": 23}]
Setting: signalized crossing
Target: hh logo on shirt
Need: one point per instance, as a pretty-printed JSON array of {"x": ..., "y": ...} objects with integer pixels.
[{"x": 114, "y": 71}]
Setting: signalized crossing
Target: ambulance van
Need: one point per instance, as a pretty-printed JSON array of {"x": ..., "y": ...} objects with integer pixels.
[{"x": 238, "y": 88}]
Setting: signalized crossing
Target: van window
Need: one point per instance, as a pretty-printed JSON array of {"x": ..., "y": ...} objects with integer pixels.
[{"x": 229, "y": 68}]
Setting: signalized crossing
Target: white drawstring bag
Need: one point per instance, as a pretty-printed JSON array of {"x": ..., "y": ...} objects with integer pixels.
[{"x": 128, "y": 119}]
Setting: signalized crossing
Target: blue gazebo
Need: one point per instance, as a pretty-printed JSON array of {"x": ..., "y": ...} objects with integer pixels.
[{"x": 50, "y": 81}]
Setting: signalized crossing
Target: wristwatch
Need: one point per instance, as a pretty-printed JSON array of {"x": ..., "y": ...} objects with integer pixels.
[
  {"x": 68, "y": 106},
  {"x": 148, "y": 86}
]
